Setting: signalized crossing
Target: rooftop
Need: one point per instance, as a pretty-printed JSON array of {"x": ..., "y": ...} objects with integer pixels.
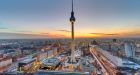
[
  {"x": 27, "y": 60},
  {"x": 43, "y": 72}
]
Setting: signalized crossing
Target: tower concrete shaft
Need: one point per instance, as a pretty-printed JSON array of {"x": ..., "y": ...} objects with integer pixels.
[{"x": 72, "y": 44}]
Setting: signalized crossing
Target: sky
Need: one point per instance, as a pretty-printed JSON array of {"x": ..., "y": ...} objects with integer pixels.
[{"x": 50, "y": 19}]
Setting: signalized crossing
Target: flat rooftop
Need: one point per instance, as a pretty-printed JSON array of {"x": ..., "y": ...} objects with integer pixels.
[
  {"x": 27, "y": 60},
  {"x": 43, "y": 72}
]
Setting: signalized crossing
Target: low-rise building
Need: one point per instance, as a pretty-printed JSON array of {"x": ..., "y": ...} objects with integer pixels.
[{"x": 4, "y": 63}]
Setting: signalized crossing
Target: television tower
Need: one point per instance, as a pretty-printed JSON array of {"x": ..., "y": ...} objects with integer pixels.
[{"x": 72, "y": 20}]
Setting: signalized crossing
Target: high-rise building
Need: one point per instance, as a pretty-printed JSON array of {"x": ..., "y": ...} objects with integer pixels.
[
  {"x": 129, "y": 49},
  {"x": 114, "y": 40}
]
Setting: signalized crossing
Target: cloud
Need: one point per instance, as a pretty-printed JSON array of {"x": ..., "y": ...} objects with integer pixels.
[
  {"x": 102, "y": 34},
  {"x": 59, "y": 35},
  {"x": 111, "y": 34},
  {"x": 45, "y": 33},
  {"x": 64, "y": 30},
  {"x": 20, "y": 31},
  {"x": 8, "y": 35},
  {"x": 24, "y": 31},
  {"x": 5, "y": 35},
  {"x": 3, "y": 28}
]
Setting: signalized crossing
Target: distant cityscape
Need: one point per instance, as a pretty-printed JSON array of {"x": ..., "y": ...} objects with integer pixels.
[
  {"x": 99, "y": 56},
  {"x": 99, "y": 51}
]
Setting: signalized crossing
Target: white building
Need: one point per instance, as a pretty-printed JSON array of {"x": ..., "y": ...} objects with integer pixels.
[
  {"x": 129, "y": 49},
  {"x": 5, "y": 62},
  {"x": 114, "y": 59},
  {"x": 42, "y": 55},
  {"x": 119, "y": 62}
]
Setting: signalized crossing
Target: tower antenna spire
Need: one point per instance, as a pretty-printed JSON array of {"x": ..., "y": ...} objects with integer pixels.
[{"x": 72, "y": 5}]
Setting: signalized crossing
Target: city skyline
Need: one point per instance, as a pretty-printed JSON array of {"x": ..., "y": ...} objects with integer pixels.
[{"x": 49, "y": 19}]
